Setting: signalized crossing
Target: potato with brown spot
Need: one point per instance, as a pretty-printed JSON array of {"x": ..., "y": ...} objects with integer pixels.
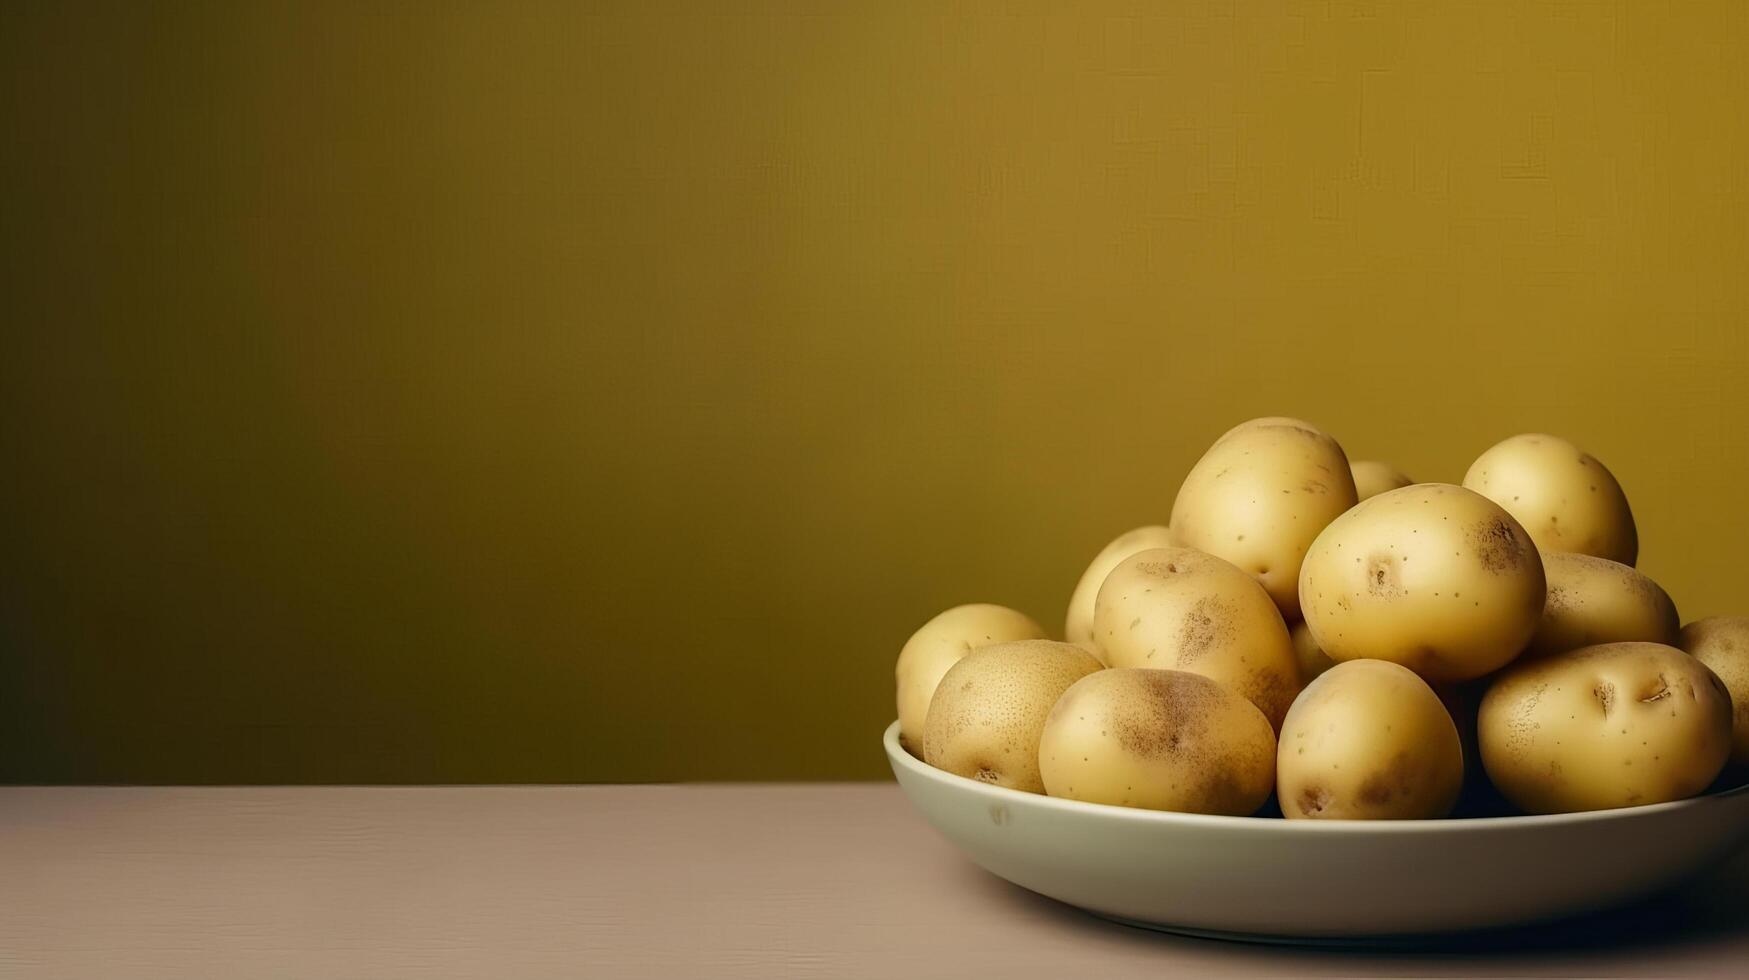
[
  {"x": 1368, "y": 740},
  {"x": 1078, "y": 625},
  {"x": 1181, "y": 609},
  {"x": 984, "y": 721},
  {"x": 938, "y": 645},
  {"x": 1432, "y": 576},
  {"x": 1595, "y": 600},
  {"x": 1259, "y": 496},
  {"x": 1565, "y": 499},
  {"x": 1372, "y": 478},
  {"x": 1722, "y": 644},
  {"x": 1160, "y": 740},
  {"x": 1614, "y": 725}
]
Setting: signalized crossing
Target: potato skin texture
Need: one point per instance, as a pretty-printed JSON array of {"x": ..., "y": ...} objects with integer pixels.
[
  {"x": 1564, "y": 497},
  {"x": 1078, "y": 624},
  {"x": 1614, "y": 725},
  {"x": 1722, "y": 644},
  {"x": 1368, "y": 740},
  {"x": 1181, "y": 609},
  {"x": 1595, "y": 600},
  {"x": 1264, "y": 422},
  {"x": 1372, "y": 478},
  {"x": 1434, "y": 577},
  {"x": 986, "y": 717},
  {"x": 1160, "y": 740},
  {"x": 938, "y": 645},
  {"x": 1259, "y": 496}
]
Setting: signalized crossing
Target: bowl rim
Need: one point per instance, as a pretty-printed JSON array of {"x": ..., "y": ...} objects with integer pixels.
[{"x": 901, "y": 758}]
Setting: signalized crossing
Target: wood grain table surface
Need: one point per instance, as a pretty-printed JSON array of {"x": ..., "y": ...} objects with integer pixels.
[{"x": 632, "y": 881}]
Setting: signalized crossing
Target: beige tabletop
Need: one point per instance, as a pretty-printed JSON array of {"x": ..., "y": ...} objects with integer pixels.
[{"x": 632, "y": 881}]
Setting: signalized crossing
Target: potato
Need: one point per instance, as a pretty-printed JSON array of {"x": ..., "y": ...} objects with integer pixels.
[
  {"x": 1259, "y": 496},
  {"x": 1432, "y": 576},
  {"x": 1372, "y": 478},
  {"x": 985, "y": 719},
  {"x": 1368, "y": 740},
  {"x": 1078, "y": 627},
  {"x": 1722, "y": 643},
  {"x": 1595, "y": 600},
  {"x": 938, "y": 645},
  {"x": 1566, "y": 499},
  {"x": 1265, "y": 422},
  {"x": 1158, "y": 739},
  {"x": 1180, "y": 609},
  {"x": 1310, "y": 658},
  {"x": 1619, "y": 724}
]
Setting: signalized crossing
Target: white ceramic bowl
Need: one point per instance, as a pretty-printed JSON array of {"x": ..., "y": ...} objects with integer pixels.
[{"x": 1262, "y": 878}]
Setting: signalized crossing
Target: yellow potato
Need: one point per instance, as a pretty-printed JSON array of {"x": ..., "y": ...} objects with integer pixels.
[
  {"x": 1259, "y": 496},
  {"x": 1722, "y": 643},
  {"x": 1565, "y": 498},
  {"x": 1372, "y": 477},
  {"x": 985, "y": 720},
  {"x": 1158, "y": 739},
  {"x": 1310, "y": 657},
  {"x": 1614, "y": 725},
  {"x": 1180, "y": 609},
  {"x": 1595, "y": 600},
  {"x": 1078, "y": 626},
  {"x": 1266, "y": 421},
  {"x": 1368, "y": 740},
  {"x": 1432, "y": 576},
  {"x": 938, "y": 645}
]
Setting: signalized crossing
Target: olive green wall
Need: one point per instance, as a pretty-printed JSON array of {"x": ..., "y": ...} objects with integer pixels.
[{"x": 508, "y": 391}]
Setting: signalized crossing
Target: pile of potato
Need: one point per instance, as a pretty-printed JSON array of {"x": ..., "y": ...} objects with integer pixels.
[{"x": 1348, "y": 643}]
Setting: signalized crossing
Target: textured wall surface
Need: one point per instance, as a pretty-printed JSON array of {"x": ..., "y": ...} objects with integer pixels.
[{"x": 561, "y": 391}]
